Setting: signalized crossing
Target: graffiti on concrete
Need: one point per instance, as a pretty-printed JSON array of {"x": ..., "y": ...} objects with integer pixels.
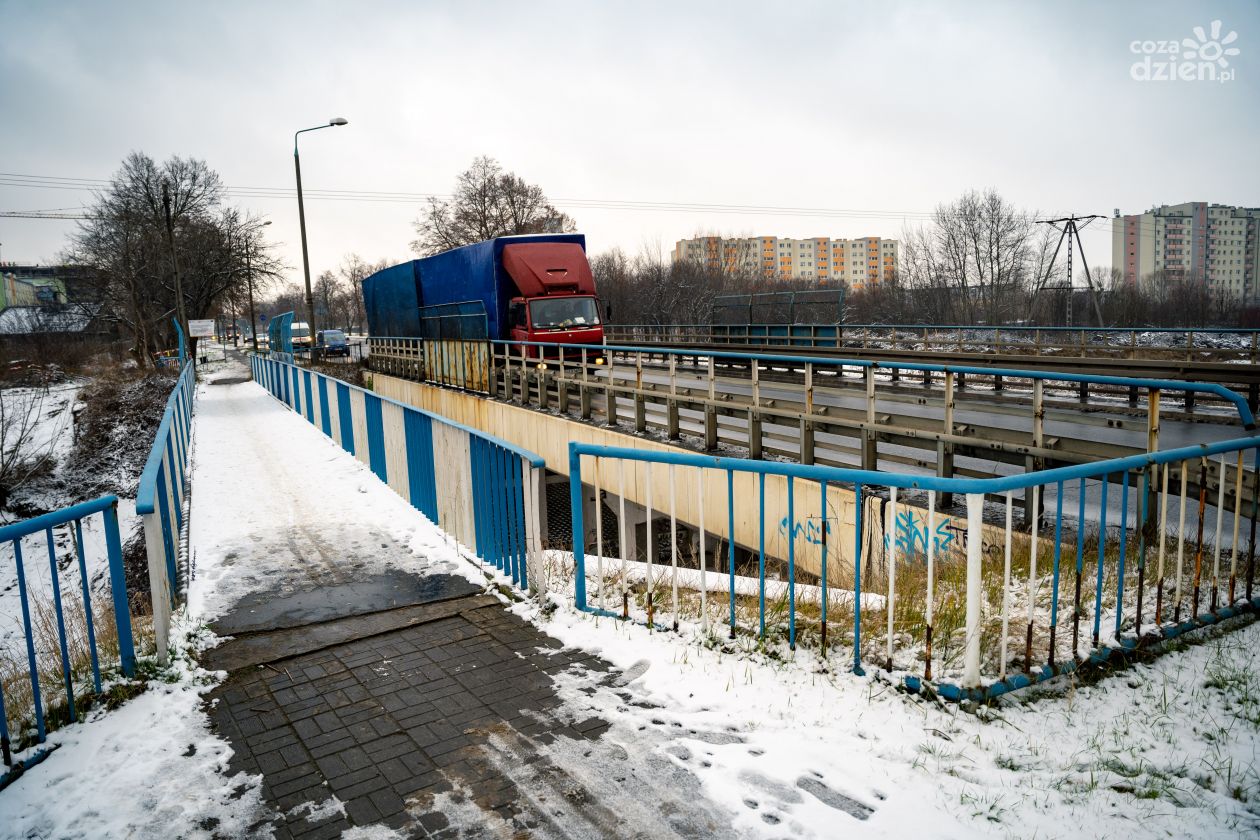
[
  {"x": 911, "y": 532},
  {"x": 809, "y": 530}
]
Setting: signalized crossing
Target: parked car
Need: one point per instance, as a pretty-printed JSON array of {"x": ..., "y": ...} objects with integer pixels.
[{"x": 332, "y": 343}]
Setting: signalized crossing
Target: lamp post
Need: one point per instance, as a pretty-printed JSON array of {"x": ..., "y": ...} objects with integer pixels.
[
  {"x": 249, "y": 279},
  {"x": 306, "y": 263}
]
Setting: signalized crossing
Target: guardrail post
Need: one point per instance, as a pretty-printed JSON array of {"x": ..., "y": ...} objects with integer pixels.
[
  {"x": 640, "y": 407},
  {"x": 562, "y": 390},
  {"x": 870, "y": 446},
  {"x": 671, "y": 408},
  {"x": 754, "y": 413},
  {"x": 710, "y": 413},
  {"x": 492, "y": 379},
  {"x": 807, "y": 425},
  {"x": 975, "y": 554},
  {"x": 610, "y": 398},
  {"x": 945, "y": 448}
]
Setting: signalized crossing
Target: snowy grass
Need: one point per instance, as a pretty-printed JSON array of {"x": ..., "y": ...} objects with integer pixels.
[
  {"x": 15, "y": 678},
  {"x": 626, "y": 592}
]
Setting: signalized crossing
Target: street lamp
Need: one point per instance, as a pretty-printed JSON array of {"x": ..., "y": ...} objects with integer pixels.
[
  {"x": 306, "y": 263},
  {"x": 249, "y": 277}
]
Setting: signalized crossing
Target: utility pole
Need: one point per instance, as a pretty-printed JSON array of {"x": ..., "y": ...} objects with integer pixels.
[
  {"x": 1071, "y": 230},
  {"x": 179, "y": 284},
  {"x": 249, "y": 280}
]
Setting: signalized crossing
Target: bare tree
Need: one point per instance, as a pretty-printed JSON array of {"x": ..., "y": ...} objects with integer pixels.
[
  {"x": 353, "y": 270},
  {"x": 979, "y": 261},
  {"x": 26, "y": 446},
  {"x": 124, "y": 244},
  {"x": 487, "y": 203}
]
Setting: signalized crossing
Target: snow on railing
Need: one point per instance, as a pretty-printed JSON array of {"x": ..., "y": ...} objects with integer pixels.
[
  {"x": 160, "y": 505},
  {"x": 973, "y": 606},
  {"x": 483, "y": 491},
  {"x": 72, "y": 636}
]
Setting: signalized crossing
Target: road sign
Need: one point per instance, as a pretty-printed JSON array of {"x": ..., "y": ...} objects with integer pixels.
[{"x": 201, "y": 328}]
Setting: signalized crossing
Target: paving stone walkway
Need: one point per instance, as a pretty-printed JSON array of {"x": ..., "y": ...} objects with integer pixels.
[{"x": 369, "y": 694}]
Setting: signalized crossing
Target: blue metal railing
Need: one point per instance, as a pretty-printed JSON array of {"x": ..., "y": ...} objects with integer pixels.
[
  {"x": 12, "y": 535},
  {"x": 483, "y": 490},
  {"x": 885, "y": 541},
  {"x": 160, "y": 503}
]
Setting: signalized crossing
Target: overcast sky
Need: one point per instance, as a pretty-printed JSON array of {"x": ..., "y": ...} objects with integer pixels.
[{"x": 880, "y": 110}]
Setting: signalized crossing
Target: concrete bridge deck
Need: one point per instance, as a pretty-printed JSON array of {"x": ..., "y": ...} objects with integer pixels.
[{"x": 375, "y": 679}]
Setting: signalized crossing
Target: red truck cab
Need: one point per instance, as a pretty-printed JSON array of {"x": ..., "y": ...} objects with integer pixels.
[{"x": 557, "y": 303}]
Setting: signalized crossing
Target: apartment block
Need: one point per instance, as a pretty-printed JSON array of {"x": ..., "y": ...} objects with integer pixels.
[
  {"x": 1213, "y": 241},
  {"x": 855, "y": 262}
]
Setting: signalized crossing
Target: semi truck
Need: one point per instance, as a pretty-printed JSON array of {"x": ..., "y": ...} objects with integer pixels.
[{"x": 521, "y": 288}]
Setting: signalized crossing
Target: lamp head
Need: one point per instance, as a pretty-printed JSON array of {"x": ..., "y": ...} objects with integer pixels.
[{"x": 338, "y": 121}]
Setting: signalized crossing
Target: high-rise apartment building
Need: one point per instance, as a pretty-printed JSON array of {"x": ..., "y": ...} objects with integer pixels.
[
  {"x": 1214, "y": 242},
  {"x": 856, "y": 262}
]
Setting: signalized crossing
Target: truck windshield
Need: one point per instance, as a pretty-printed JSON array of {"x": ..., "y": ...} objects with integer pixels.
[{"x": 563, "y": 313}]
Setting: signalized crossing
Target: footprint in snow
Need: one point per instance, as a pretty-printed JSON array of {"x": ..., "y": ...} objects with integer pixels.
[{"x": 833, "y": 798}]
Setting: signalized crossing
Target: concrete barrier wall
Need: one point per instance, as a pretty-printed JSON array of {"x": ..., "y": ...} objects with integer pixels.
[{"x": 549, "y": 436}]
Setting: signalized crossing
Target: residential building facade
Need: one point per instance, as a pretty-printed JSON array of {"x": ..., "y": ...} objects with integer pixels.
[
  {"x": 821, "y": 259},
  {"x": 1215, "y": 242}
]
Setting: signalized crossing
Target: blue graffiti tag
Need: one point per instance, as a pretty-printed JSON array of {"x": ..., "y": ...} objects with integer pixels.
[
  {"x": 911, "y": 533},
  {"x": 808, "y": 529}
]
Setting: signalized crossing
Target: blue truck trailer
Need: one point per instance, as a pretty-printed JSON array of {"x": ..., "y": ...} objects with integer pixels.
[{"x": 526, "y": 288}]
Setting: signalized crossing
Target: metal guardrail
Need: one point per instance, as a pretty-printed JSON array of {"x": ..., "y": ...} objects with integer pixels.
[
  {"x": 490, "y": 490},
  {"x": 69, "y": 649},
  {"x": 804, "y": 396},
  {"x": 1112, "y": 342},
  {"x": 949, "y": 590},
  {"x": 160, "y": 505},
  {"x": 1245, "y": 415}
]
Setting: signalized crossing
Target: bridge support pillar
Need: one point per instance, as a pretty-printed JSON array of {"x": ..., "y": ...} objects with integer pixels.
[
  {"x": 754, "y": 435},
  {"x": 584, "y": 401},
  {"x": 562, "y": 395},
  {"x": 710, "y": 427},
  {"x": 806, "y": 436},
  {"x": 1189, "y": 402},
  {"x": 544, "y": 398},
  {"x": 640, "y": 413},
  {"x": 1253, "y": 396},
  {"x": 1084, "y": 392},
  {"x": 997, "y": 383},
  {"x": 671, "y": 420}
]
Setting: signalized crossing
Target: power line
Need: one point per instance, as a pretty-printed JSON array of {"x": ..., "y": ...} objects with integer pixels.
[{"x": 56, "y": 182}]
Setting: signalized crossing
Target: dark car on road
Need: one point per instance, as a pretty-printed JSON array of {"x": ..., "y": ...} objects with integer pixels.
[{"x": 332, "y": 343}]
